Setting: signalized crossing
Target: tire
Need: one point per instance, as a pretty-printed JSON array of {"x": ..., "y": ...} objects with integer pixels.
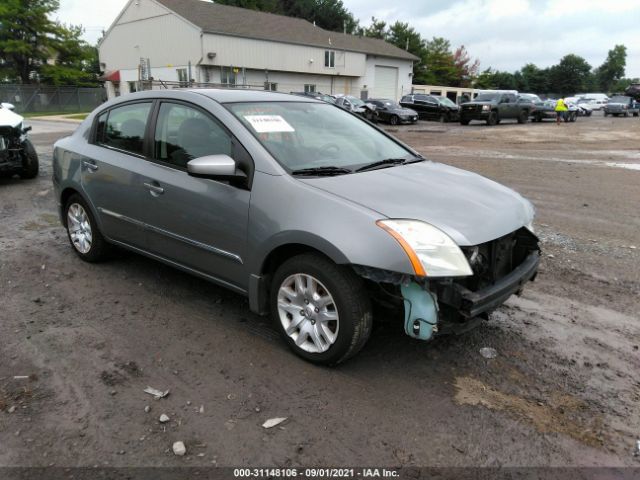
[
  {"x": 464, "y": 121},
  {"x": 30, "y": 163},
  {"x": 636, "y": 114},
  {"x": 493, "y": 119},
  {"x": 96, "y": 249},
  {"x": 626, "y": 114},
  {"x": 523, "y": 117},
  {"x": 349, "y": 304},
  {"x": 589, "y": 113},
  {"x": 394, "y": 120},
  {"x": 605, "y": 114},
  {"x": 574, "y": 117}
]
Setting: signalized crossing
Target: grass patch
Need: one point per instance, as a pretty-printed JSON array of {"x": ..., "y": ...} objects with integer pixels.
[
  {"x": 78, "y": 116},
  {"x": 47, "y": 114}
]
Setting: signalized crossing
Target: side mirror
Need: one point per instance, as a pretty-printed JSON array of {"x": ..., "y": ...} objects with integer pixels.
[
  {"x": 9, "y": 106},
  {"x": 215, "y": 167}
]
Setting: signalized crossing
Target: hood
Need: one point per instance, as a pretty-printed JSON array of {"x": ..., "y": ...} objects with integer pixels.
[
  {"x": 479, "y": 103},
  {"x": 9, "y": 118},
  {"x": 470, "y": 208},
  {"x": 404, "y": 111}
]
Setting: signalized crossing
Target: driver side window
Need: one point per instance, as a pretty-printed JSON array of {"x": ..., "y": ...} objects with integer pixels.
[{"x": 184, "y": 133}]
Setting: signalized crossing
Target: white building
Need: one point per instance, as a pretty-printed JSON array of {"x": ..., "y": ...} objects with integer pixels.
[{"x": 209, "y": 43}]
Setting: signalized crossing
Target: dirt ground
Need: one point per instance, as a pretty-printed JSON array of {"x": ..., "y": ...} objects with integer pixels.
[{"x": 563, "y": 390}]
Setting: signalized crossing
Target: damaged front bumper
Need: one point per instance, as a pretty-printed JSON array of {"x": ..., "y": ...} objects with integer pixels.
[
  {"x": 435, "y": 306},
  {"x": 471, "y": 304}
]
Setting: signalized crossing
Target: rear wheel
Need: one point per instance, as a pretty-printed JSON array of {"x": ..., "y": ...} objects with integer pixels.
[
  {"x": 320, "y": 308},
  {"x": 523, "y": 117},
  {"x": 30, "y": 164},
  {"x": 83, "y": 232},
  {"x": 464, "y": 121},
  {"x": 626, "y": 114}
]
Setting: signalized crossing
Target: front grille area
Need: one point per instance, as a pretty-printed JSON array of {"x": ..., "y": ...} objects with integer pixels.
[{"x": 493, "y": 260}]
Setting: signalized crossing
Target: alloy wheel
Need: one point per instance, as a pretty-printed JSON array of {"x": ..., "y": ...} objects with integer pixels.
[
  {"x": 308, "y": 313},
  {"x": 79, "y": 228}
]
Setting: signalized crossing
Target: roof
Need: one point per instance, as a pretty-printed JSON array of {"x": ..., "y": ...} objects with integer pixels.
[
  {"x": 226, "y": 20},
  {"x": 232, "y": 95}
]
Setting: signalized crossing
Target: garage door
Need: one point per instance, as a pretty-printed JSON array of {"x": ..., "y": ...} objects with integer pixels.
[{"x": 386, "y": 82}]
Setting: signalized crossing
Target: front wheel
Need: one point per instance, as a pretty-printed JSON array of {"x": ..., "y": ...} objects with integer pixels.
[
  {"x": 320, "y": 308},
  {"x": 493, "y": 119},
  {"x": 30, "y": 163},
  {"x": 83, "y": 232},
  {"x": 464, "y": 121},
  {"x": 394, "y": 120}
]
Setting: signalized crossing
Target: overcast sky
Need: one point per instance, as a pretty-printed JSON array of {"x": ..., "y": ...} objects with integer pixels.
[{"x": 503, "y": 34}]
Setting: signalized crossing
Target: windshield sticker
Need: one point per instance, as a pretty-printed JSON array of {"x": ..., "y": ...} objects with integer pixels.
[{"x": 268, "y": 123}]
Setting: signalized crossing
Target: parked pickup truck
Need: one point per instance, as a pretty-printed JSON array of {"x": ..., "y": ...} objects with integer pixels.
[
  {"x": 622, "y": 105},
  {"x": 494, "y": 107}
]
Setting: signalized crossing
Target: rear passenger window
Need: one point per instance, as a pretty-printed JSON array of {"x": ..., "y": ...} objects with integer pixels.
[
  {"x": 125, "y": 127},
  {"x": 184, "y": 133}
]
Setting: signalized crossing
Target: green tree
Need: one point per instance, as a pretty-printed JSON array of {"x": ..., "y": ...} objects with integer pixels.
[
  {"x": 27, "y": 36},
  {"x": 327, "y": 14},
  {"x": 495, "y": 80},
  {"x": 439, "y": 62},
  {"x": 613, "y": 68},
  {"x": 377, "y": 29},
  {"x": 74, "y": 62},
  {"x": 572, "y": 75}
]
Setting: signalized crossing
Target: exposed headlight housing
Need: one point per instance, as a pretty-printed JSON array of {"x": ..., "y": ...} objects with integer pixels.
[{"x": 431, "y": 251}]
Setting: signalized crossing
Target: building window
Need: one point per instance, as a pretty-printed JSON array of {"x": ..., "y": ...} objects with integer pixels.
[
  {"x": 329, "y": 58},
  {"x": 309, "y": 88},
  {"x": 182, "y": 75},
  {"x": 133, "y": 86},
  {"x": 271, "y": 86}
]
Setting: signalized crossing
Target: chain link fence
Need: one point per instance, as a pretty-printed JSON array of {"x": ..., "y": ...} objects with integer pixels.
[{"x": 44, "y": 99}]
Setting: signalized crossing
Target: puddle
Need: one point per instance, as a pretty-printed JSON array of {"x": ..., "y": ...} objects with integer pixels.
[
  {"x": 629, "y": 166},
  {"x": 544, "y": 417}
]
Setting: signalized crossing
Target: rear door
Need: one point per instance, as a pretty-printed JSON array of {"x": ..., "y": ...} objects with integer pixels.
[
  {"x": 111, "y": 171},
  {"x": 198, "y": 223}
]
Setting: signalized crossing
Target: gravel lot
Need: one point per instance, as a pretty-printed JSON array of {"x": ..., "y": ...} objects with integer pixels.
[{"x": 563, "y": 390}]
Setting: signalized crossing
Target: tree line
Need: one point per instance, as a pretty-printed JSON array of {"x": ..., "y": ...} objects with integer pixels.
[{"x": 36, "y": 49}]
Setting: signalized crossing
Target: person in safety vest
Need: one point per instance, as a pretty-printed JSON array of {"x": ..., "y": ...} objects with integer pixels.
[{"x": 561, "y": 110}]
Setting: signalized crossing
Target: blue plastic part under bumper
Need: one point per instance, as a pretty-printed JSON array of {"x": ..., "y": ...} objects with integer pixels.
[{"x": 420, "y": 312}]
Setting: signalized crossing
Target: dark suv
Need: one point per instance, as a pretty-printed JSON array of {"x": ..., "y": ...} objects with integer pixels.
[
  {"x": 431, "y": 107},
  {"x": 494, "y": 107}
]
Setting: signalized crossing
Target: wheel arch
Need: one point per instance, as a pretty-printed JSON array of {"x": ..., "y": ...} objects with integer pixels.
[{"x": 278, "y": 253}]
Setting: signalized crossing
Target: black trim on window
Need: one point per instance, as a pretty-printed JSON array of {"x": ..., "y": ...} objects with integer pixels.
[
  {"x": 238, "y": 152},
  {"x": 94, "y": 127}
]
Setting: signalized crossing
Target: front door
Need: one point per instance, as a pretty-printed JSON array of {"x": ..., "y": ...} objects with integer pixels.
[{"x": 198, "y": 223}]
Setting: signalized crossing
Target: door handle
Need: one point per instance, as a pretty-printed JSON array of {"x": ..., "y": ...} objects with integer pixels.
[
  {"x": 92, "y": 167},
  {"x": 154, "y": 189}
]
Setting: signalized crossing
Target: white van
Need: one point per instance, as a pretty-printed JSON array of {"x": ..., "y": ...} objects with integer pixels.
[{"x": 598, "y": 100}]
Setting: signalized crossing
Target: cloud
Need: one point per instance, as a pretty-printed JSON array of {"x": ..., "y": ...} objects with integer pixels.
[{"x": 507, "y": 34}]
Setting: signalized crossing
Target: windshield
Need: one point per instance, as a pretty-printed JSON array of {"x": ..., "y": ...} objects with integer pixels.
[
  {"x": 487, "y": 97},
  {"x": 313, "y": 135},
  {"x": 585, "y": 100},
  {"x": 391, "y": 105},
  {"x": 446, "y": 102},
  {"x": 355, "y": 101},
  {"x": 619, "y": 99}
]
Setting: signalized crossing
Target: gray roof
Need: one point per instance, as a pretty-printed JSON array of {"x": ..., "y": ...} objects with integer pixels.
[{"x": 242, "y": 22}]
